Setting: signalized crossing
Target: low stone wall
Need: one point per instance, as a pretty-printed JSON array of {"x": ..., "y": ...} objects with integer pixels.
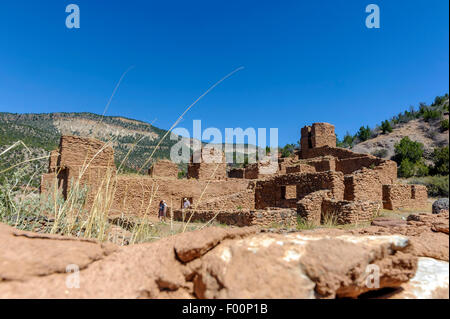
[
  {"x": 241, "y": 200},
  {"x": 365, "y": 184},
  {"x": 207, "y": 171},
  {"x": 337, "y": 152},
  {"x": 300, "y": 168},
  {"x": 268, "y": 193},
  {"x": 265, "y": 217},
  {"x": 346, "y": 212},
  {"x": 397, "y": 196},
  {"x": 310, "y": 207},
  {"x": 350, "y": 165},
  {"x": 323, "y": 164}
]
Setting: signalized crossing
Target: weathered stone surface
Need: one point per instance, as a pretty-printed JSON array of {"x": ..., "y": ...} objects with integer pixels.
[
  {"x": 301, "y": 266},
  {"x": 430, "y": 281},
  {"x": 26, "y": 255},
  {"x": 440, "y": 204},
  {"x": 388, "y": 222},
  {"x": 188, "y": 247},
  {"x": 426, "y": 232}
]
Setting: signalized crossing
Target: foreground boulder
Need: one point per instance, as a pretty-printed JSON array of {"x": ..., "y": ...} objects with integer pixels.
[{"x": 440, "y": 204}]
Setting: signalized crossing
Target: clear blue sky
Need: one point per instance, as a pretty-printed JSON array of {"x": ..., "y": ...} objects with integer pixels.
[{"x": 305, "y": 61}]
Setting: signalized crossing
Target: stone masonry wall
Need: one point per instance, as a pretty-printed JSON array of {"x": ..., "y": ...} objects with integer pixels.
[
  {"x": 300, "y": 168},
  {"x": 365, "y": 184},
  {"x": 268, "y": 193},
  {"x": 310, "y": 207},
  {"x": 264, "y": 218},
  {"x": 346, "y": 212},
  {"x": 79, "y": 151},
  {"x": 80, "y": 161},
  {"x": 207, "y": 171},
  {"x": 340, "y": 153},
  {"x": 350, "y": 165},
  {"x": 322, "y": 134},
  {"x": 164, "y": 168},
  {"x": 323, "y": 164},
  {"x": 397, "y": 196}
]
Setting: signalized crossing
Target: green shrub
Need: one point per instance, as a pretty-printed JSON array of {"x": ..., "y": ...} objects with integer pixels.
[
  {"x": 406, "y": 168},
  {"x": 364, "y": 133},
  {"x": 430, "y": 114},
  {"x": 440, "y": 99},
  {"x": 386, "y": 127},
  {"x": 444, "y": 125},
  {"x": 440, "y": 160},
  {"x": 437, "y": 185},
  {"x": 420, "y": 169},
  {"x": 407, "y": 149},
  {"x": 347, "y": 142}
]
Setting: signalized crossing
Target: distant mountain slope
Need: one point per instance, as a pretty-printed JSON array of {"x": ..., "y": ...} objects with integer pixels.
[
  {"x": 427, "y": 133},
  {"x": 425, "y": 125}
]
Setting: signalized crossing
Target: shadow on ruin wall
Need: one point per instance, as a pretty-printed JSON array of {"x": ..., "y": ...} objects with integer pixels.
[{"x": 320, "y": 180}]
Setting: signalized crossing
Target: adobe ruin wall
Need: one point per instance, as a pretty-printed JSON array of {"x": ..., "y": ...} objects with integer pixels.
[{"x": 272, "y": 217}]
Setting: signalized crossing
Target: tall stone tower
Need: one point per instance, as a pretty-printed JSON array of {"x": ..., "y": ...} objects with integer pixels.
[{"x": 315, "y": 136}]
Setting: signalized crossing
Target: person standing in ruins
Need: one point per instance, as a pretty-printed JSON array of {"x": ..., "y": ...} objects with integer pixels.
[
  {"x": 162, "y": 210},
  {"x": 186, "y": 203}
]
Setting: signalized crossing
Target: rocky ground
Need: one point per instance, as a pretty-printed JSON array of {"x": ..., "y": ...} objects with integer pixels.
[{"x": 410, "y": 256}]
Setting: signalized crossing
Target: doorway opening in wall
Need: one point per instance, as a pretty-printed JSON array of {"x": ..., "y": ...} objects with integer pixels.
[
  {"x": 190, "y": 199},
  {"x": 62, "y": 181},
  {"x": 283, "y": 192},
  {"x": 310, "y": 140}
]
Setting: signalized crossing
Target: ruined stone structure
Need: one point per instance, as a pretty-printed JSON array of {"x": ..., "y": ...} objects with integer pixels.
[{"x": 321, "y": 182}]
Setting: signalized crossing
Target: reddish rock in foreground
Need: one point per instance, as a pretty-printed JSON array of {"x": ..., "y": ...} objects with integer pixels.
[{"x": 210, "y": 263}]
